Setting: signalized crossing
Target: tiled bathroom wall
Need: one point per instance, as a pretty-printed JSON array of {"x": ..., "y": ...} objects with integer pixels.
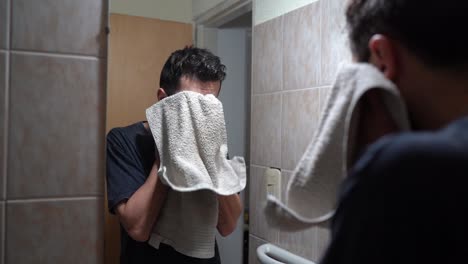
[
  {"x": 52, "y": 121},
  {"x": 295, "y": 59}
]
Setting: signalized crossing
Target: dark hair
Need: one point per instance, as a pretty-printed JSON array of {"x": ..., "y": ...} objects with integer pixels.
[
  {"x": 432, "y": 30},
  {"x": 190, "y": 62}
]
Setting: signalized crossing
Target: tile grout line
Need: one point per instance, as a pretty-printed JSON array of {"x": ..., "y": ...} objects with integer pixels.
[
  {"x": 294, "y": 90},
  {"x": 258, "y": 238},
  {"x": 53, "y": 199},
  {"x": 266, "y": 167},
  {"x": 6, "y": 122},
  {"x": 6, "y": 106},
  {"x": 8, "y": 23},
  {"x": 56, "y": 55},
  {"x": 5, "y": 126},
  {"x": 283, "y": 87},
  {"x": 6, "y": 98},
  {"x": 321, "y": 6},
  {"x": 283, "y": 52}
]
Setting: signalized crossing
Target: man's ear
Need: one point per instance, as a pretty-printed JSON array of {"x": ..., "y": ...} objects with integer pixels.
[
  {"x": 161, "y": 94},
  {"x": 384, "y": 55}
]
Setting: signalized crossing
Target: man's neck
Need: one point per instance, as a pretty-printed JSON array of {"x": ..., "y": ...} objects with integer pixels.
[{"x": 446, "y": 100}]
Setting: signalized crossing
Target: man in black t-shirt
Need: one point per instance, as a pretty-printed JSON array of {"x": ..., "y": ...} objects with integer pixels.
[
  {"x": 405, "y": 200},
  {"x": 135, "y": 193}
]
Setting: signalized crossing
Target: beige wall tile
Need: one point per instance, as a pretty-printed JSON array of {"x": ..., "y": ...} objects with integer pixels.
[
  {"x": 267, "y": 57},
  {"x": 254, "y": 243},
  {"x": 64, "y": 26},
  {"x": 55, "y": 232},
  {"x": 258, "y": 225},
  {"x": 300, "y": 117},
  {"x": 2, "y": 118},
  {"x": 335, "y": 46},
  {"x": 3, "y": 24},
  {"x": 265, "y": 142},
  {"x": 57, "y": 122},
  {"x": 323, "y": 238},
  {"x": 302, "y": 243},
  {"x": 285, "y": 177},
  {"x": 324, "y": 92},
  {"x": 302, "y": 55}
]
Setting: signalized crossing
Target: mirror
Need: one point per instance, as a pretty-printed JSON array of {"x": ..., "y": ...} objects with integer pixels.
[{"x": 143, "y": 34}]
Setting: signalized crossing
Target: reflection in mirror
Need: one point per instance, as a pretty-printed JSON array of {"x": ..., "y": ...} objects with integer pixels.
[{"x": 143, "y": 36}]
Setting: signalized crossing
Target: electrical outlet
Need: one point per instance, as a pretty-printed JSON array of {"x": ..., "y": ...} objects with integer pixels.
[{"x": 273, "y": 182}]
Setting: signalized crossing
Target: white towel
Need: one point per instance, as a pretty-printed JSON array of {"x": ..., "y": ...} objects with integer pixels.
[
  {"x": 312, "y": 190},
  {"x": 187, "y": 222},
  {"x": 190, "y": 134}
]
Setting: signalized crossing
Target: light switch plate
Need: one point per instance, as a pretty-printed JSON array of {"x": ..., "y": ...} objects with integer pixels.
[{"x": 273, "y": 182}]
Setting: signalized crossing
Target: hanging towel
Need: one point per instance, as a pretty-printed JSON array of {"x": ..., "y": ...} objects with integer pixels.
[
  {"x": 190, "y": 135},
  {"x": 187, "y": 222},
  {"x": 312, "y": 190}
]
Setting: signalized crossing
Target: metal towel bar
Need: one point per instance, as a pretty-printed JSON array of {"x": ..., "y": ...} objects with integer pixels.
[{"x": 271, "y": 254}]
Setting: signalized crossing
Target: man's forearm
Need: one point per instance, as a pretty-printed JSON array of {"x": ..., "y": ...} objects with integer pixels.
[
  {"x": 140, "y": 212},
  {"x": 230, "y": 208}
]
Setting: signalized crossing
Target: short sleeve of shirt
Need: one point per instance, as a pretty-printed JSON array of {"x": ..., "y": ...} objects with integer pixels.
[{"x": 123, "y": 173}]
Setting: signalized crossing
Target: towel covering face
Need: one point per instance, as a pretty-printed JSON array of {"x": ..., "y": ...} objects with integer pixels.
[
  {"x": 190, "y": 134},
  {"x": 312, "y": 190}
]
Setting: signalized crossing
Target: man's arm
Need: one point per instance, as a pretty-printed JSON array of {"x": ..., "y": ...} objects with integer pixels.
[
  {"x": 139, "y": 213},
  {"x": 230, "y": 208}
]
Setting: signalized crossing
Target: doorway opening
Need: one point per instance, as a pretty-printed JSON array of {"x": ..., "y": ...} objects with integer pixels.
[{"x": 229, "y": 35}]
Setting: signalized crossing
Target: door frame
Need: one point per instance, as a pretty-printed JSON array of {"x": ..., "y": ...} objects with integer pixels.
[{"x": 217, "y": 16}]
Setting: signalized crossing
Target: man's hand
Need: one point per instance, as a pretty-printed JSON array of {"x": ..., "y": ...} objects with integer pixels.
[{"x": 230, "y": 208}]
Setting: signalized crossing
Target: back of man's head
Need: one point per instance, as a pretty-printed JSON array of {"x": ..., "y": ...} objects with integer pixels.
[
  {"x": 433, "y": 30},
  {"x": 193, "y": 63}
]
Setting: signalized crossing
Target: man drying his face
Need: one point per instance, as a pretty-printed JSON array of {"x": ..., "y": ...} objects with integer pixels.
[
  {"x": 135, "y": 193},
  {"x": 405, "y": 201}
]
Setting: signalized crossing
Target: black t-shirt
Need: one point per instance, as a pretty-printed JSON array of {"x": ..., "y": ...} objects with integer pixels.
[
  {"x": 406, "y": 201},
  {"x": 131, "y": 153}
]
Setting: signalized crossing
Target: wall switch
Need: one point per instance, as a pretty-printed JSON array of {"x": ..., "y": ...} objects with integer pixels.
[{"x": 273, "y": 182}]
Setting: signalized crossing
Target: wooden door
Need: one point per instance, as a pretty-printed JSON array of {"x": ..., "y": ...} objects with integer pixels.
[{"x": 138, "y": 49}]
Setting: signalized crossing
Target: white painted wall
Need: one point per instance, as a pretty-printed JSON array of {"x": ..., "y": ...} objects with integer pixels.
[
  {"x": 172, "y": 10},
  {"x": 264, "y": 10},
  {"x": 207, "y": 38},
  {"x": 234, "y": 51}
]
